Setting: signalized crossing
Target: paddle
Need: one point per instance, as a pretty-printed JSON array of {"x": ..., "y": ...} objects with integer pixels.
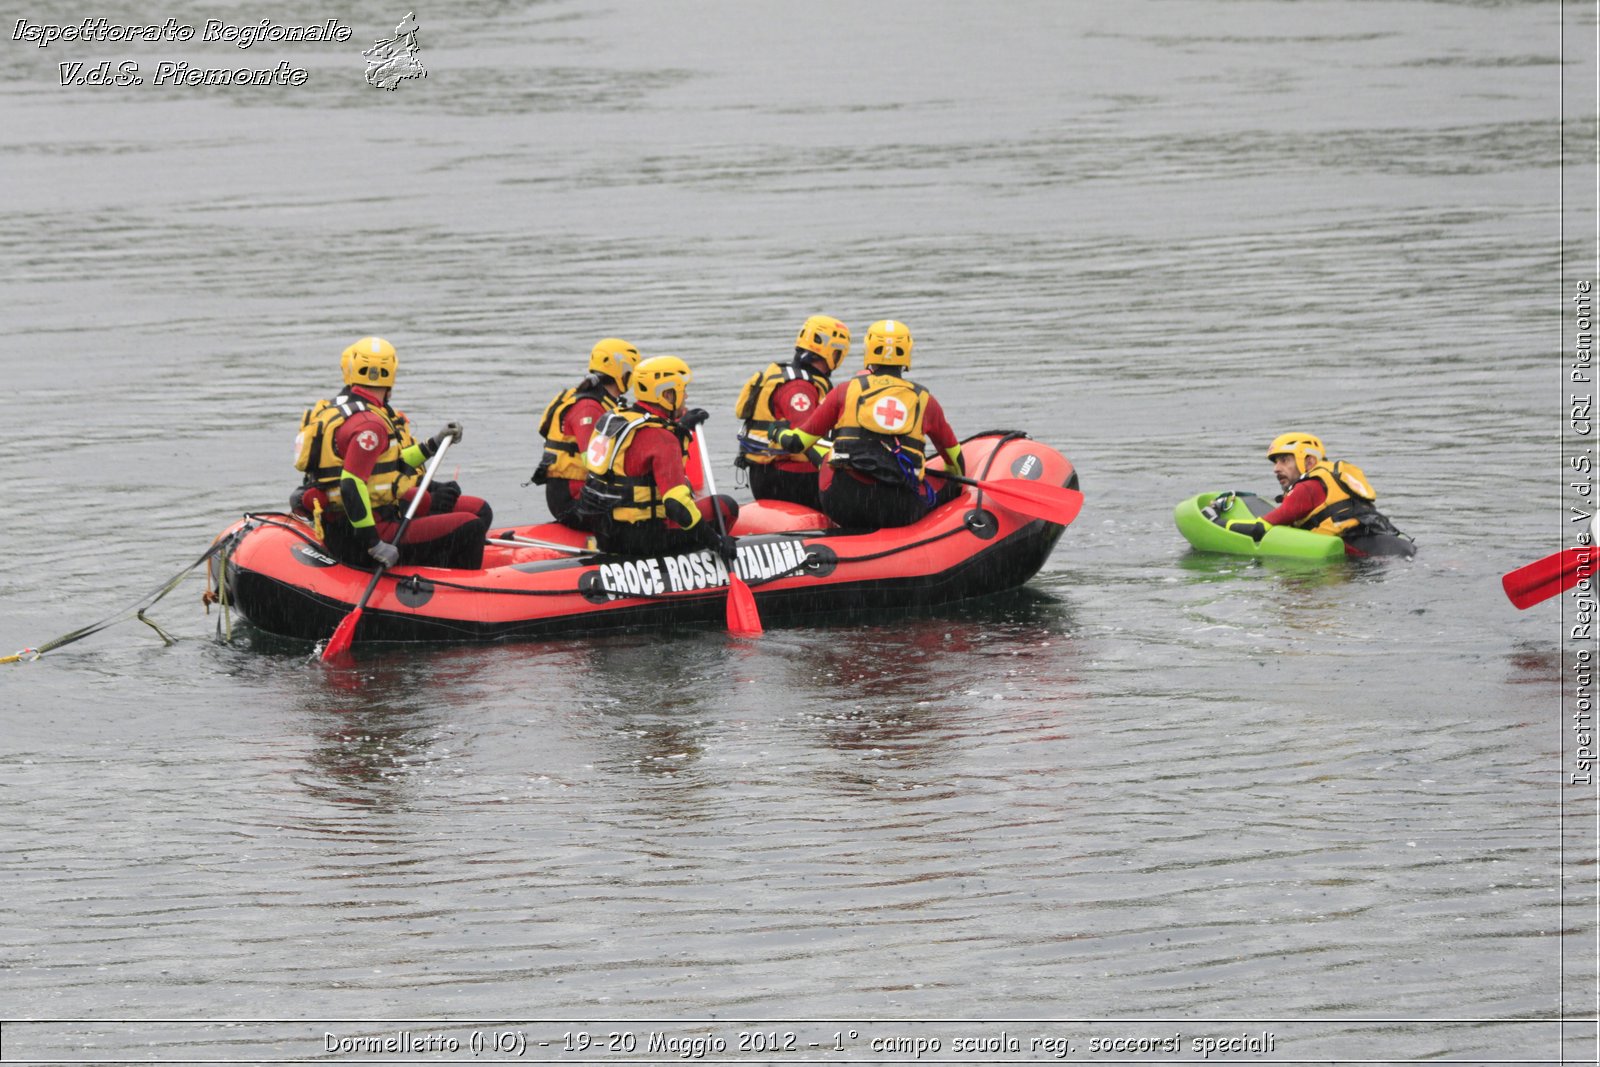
[
  {"x": 1053, "y": 503},
  {"x": 339, "y": 643},
  {"x": 528, "y": 542},
  {"x": 1548, "y": 577},
  {"x": 744, "y": 619}
]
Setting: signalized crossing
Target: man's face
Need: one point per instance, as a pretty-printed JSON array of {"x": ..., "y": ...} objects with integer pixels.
[{"x": 1283, "y": 466}]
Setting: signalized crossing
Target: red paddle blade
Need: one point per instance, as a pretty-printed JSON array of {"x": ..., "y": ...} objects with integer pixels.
[
  {"x": 1053, "y": 503},
  {"x": 338, "y": 645},
  {"x": 1548, "y": 577},
  {"x": 744, "y": 619}
]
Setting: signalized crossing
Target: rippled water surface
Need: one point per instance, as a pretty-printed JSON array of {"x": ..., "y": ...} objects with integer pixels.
[{"x": 1151, "y": 792}]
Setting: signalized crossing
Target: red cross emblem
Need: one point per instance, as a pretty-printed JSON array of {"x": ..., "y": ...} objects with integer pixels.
[
  {"x": 890, "y": 414},
  {"x": 596, "y": 453},
  {"x": 800, "y": 402}
]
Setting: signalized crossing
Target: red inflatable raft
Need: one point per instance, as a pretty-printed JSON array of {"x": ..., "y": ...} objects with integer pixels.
[{"x": 282, "y": 580}]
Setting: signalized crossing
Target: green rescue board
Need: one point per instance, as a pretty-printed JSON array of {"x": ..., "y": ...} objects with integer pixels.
[{"x": 1282, "y": 541}]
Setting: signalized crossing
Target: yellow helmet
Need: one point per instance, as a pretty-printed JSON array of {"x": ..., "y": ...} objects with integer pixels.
[
  {"x": 616, "y": 359},
  {"x": 825, "y": 337},
  {"x": 659, "y": 374},
  {"x": 370, "y": 361},
  {"x": 888, "y": 344},
  {"x": 1300, "y": 446}
]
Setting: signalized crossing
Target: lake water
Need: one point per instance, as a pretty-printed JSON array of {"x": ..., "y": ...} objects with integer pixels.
[{"x": 1323, "y": 814}]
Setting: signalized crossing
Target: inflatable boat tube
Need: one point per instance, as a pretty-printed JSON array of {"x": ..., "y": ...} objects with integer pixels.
[{"x": 282, "y": 580}]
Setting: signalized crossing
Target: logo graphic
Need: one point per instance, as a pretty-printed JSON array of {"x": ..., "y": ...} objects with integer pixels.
[
  {"x": 599, "y": 446},
  {"x": 310, "y": 557},
  {"x": 695, "y": 572},
  {"x": 1028, "y": 466},
  {"x": 801, "y": 402},
  {"x": 367, "y": 440},
  {"x": 891, "y": 414},
  {"x": 393, "y": 61}
]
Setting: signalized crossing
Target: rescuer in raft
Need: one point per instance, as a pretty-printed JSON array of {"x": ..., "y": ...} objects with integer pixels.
[
  {"x": 361, "y": 464},
  {"x": 881, "y": 423},
  {"x": 783, "y": 396},
  {"x": 1323, "y": 496},
  {"x": 637, "y": 487},
  {"x": 569, "y": 421}
]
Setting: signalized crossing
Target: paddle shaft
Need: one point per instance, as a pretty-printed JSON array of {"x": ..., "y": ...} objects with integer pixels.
[
  {"x": 529, "y": 542},
  {"x": 954, "y": 477},
  {"x": 711, "y": 485},
  {"x": 743, "y": 616},
  {"x": 1053, "y": 503},
  {"x": 416, "y": 500},
  {"x": 345, "y": 634}
]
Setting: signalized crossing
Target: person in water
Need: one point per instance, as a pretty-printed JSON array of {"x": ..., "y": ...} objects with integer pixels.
[
  {"x": 881, "y": 423},
  {"x": 638, "y": 489},
  {"x": 569, "y": 421},
  {"x": 362, "y": 468},
  {"x": 782, "y": 396},
  {"x": 1321, "y": 495}
]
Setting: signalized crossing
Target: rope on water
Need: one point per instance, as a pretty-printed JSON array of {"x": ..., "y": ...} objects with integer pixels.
[
  {"x": 224, "y": 624},
  {"x": 137, "y": 610}
]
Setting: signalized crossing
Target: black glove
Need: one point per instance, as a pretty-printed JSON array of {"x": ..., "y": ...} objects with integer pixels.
[
  {"x": 444, "y": 496},
  {"x": 692, "y": 418},
  {"x": 716, "y": 540},
  {"x": 1255, "y": 530},
  {"x": 789, "y": 441}
]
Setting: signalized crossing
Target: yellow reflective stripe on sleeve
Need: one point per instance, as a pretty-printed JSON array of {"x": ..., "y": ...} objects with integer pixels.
[
  {"x": 685, "y": 496},
  {"x": 366, "y": 498},
  {"x": 413, "y": 456}
]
